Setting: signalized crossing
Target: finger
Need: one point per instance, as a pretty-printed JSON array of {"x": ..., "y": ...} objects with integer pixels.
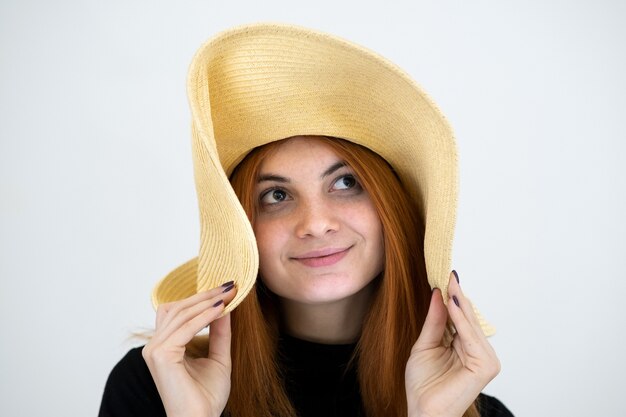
[
  {"x": 219, "y": 340},
  {"x": 467, "y": 307},
  {"x": 202, "y": 309},
  {"x": 179, "y": 332},
  {"x": 471, "y": 345},
  {"x": 455, "y": 292},
  {"x": 171, "y": 348},
  {"x": 469, "y": 336},
  {"x": 470, "y": 342},
  {"x": 169, "y": 309},
  {"x": 435, "y": 323}
]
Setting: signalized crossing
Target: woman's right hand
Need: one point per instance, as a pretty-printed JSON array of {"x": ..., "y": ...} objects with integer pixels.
[{"x": 188, "y": 386}]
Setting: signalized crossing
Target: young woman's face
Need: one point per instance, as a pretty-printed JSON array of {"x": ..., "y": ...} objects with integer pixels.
[{"x": 320, "y": 239}]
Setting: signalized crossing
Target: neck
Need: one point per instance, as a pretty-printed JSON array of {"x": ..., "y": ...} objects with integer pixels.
[{"x": 337, "y": 322}]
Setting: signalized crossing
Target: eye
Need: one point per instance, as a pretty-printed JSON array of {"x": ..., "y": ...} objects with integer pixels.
[
  {"x": 345, "y": 182},
  {"x": 273, "y": 196}
]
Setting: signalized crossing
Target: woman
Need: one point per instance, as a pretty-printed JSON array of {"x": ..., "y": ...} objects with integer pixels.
[{"x": 345, "y": 236}]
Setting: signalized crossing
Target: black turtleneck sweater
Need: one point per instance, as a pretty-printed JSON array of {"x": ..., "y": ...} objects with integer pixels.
[{"x": 317, "y": 379}]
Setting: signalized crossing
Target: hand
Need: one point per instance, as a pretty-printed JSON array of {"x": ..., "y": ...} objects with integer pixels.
[
  {"x": 444, "y": 380},
  {"x": 187, "y": 386}
]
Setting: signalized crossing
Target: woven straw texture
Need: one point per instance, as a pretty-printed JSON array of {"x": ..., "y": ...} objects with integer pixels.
[{"x": 260, "y": 83}]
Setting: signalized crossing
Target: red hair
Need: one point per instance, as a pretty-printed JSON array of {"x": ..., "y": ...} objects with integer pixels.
[{"x": 391, "y": 326}]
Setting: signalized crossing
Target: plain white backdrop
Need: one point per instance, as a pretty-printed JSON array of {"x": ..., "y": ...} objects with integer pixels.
[{"x": 97, "y": 200}]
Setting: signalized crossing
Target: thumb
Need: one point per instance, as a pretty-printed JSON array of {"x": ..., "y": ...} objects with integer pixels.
[
  {"x": 219, "y": 340},
  {"x": 434, "y": 327}
]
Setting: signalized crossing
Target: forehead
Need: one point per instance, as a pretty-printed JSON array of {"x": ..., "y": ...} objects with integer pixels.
[{"x": 298, "y": 152}]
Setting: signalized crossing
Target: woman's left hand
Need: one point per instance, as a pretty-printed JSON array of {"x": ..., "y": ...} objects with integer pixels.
[{"x": 444, "y": 380}]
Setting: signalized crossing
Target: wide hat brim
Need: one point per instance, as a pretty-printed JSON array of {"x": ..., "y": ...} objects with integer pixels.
[{"x": 259, "y": 83}]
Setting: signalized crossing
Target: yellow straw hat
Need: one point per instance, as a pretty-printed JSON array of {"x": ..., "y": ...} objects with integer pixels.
[{"x": 259, "y": 83}]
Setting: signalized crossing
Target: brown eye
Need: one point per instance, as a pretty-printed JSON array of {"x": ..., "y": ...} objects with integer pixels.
[
  {"x": 279, "y": 195},
  {"x": 273, "y": 196},
  {"x": 344, "y": 183}
]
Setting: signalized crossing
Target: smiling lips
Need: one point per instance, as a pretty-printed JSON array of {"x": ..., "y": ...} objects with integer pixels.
[{"x": 324, "y": 257}]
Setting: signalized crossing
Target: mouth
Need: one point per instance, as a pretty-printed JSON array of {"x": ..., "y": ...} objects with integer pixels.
[{"x": 324, "y": 257}]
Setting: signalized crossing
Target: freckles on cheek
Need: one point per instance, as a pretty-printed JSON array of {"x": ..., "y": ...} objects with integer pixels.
[{"x": 267, "y": 240}]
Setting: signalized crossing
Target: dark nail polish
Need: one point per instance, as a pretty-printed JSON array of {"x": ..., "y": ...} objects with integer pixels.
[
  {"x": 456, "y": 276},
  {"x": 219, "y": 303},
  {"x": 230, "y": 287},
  {"x": 456, "y": 300},
  {"x": 228, "y": 284}
]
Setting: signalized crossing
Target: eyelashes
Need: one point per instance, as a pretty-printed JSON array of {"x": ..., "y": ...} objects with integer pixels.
[
  {"x": 344, "y": 184},
  {"x": 273, "y": 196}
]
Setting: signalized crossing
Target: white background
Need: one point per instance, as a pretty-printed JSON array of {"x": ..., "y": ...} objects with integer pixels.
[{"x": 97, "y": 200}]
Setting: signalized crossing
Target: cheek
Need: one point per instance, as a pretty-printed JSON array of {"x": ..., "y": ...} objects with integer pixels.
[
  {"x": 371, "y": 228},
  {"x": 366, "y": 220},
  {"x": 269, "y": 243},
  {"x": 260, "y": 233},
  {"x": 270, "y": 240}
]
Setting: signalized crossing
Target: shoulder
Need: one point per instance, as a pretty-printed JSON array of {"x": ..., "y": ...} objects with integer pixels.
[
  {"x": 132, "y": 370},
  {"x": 492, "y": 407},
  {"x": 130, "y": 389}
]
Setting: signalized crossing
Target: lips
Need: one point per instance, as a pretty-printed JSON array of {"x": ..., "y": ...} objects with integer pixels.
[{"x": 323, "y": 257}]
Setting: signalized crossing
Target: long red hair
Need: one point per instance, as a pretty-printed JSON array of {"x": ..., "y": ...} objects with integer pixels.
[{"x": 391, "y": 326}]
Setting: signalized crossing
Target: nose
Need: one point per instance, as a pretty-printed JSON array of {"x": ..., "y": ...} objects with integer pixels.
[{"x": 316, "y": 219}]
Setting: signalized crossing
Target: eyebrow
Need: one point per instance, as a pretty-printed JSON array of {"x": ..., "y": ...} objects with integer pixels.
[{"x": 277, "y": 178}]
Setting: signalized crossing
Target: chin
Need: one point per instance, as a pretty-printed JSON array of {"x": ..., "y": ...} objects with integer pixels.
[{"x": 327, "y": 293}]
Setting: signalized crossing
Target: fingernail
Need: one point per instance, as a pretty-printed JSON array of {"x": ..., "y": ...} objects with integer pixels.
[
  {"x": 456, "y": 300},
  {"x": 228, "y": 284},
  {"x": 230, "y": 287},
  {"x": 219, "y": 303},
  {"x": 456, "y": 276}
]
